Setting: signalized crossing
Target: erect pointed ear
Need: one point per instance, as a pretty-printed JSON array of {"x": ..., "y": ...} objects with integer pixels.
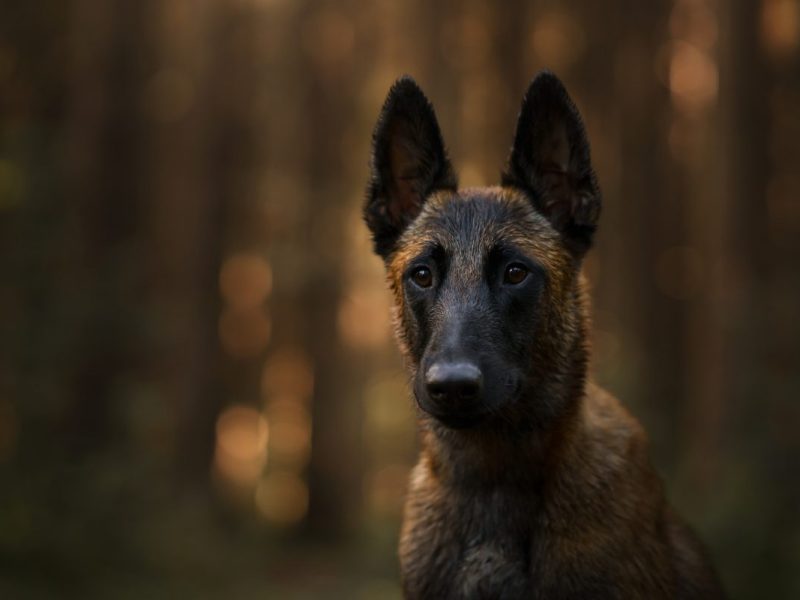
[
  {"x": 409, "y": 162},
  {"x": 551, "y": 161}
]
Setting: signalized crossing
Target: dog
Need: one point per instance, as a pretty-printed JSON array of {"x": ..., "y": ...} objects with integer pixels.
[{"x": 532, "y": 482}]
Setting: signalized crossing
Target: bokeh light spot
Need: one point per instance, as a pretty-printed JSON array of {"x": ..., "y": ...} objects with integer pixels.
[
  {"x": 780, "y": 27},
  {"x": 364, "y": 318},
  {"x": 245, "y": 280},
  {"x": 693, "y": 77},
  {"x": 241, "y": 450}
]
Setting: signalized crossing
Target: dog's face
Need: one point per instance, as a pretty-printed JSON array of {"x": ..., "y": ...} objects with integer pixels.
[{"x": 485, "y": 280}]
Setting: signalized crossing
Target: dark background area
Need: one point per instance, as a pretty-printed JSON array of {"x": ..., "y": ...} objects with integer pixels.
[{"x": 200, "y": 396}]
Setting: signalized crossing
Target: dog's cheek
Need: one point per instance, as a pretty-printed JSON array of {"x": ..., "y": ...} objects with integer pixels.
[{"x": 523, "y": 315}]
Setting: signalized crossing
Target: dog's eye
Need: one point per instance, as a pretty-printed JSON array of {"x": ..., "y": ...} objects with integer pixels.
[
  {"x": 515, "y": 274},
  {"x": 422, "y": 276}
]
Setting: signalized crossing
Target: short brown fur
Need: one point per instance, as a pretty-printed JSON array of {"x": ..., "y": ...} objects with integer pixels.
[
  {"x": 583, "y": 493},
  {"x": 555, "y": 497}
]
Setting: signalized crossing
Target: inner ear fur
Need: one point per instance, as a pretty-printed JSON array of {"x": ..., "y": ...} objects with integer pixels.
[
  {"x": 409, "y": 162},
  {"x": 551, "y": 160}
]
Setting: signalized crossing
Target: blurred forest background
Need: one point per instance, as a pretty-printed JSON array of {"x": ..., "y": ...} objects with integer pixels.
[{"x": 200, "y": 396}]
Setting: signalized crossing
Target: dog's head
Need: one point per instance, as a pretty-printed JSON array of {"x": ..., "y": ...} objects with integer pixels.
[{"x": 489, "y": 310}]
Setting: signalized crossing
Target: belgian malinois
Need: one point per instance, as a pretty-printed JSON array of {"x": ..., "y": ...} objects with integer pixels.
[{"x": 532, "y": 481}]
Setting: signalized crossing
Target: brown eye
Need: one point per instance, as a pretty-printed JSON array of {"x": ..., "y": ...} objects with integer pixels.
[
  {"x": 422, "y": 276},
  {"x": 515, "y": 274}
]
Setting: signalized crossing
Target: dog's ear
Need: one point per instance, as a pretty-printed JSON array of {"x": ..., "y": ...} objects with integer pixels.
[
  {"x": 550, "y": 160},
  {"x": 409, "y": 162}
]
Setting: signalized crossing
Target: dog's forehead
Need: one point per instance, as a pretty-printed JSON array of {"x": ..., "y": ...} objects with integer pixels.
[{"x": 472, "y": 221}]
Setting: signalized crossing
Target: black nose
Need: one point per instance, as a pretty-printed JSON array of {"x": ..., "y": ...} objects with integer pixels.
[{"x": 453, "y": 382}]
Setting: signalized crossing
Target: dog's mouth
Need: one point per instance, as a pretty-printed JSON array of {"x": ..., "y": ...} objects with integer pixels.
[{"x": 458, "y": 420}]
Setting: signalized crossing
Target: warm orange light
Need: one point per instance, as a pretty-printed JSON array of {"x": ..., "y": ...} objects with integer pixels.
[
  {"x": 780, "y": 26},
  {"x": 693, "y": 77},
  {"x": 472, "y": 175},
  {"x": 364, "y": 318},
  {"x": 241, "y": 451},
  {"x": 245, "y": 281}
]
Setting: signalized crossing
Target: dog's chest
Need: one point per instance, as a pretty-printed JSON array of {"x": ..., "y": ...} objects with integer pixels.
[{"x": 470, "y": 547}]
